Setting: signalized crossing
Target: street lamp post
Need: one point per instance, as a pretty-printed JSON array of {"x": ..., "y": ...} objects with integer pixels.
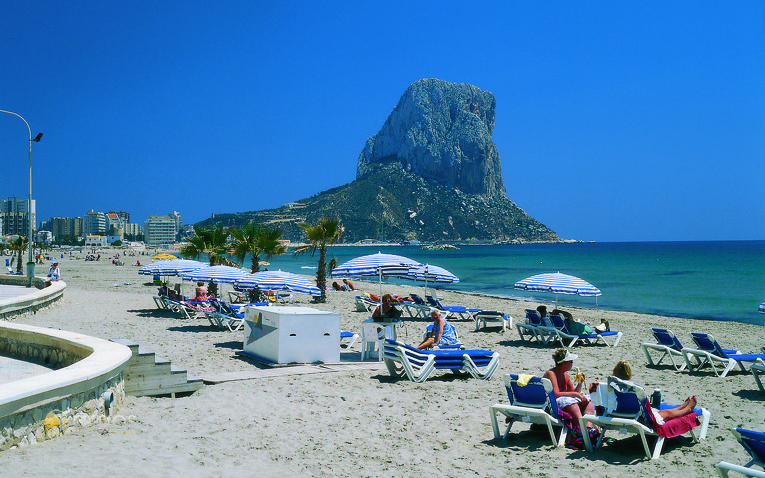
[{"x": 30, "y": 263}]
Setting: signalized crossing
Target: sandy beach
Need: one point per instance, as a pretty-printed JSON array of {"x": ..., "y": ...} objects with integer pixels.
[{"x": 362, "y": 422}]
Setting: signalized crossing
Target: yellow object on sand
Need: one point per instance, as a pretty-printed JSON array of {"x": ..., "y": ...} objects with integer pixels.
[{"x": 523, "y": 380}]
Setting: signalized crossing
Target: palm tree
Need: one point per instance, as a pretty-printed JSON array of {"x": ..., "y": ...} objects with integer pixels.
[
  {"x": 253, "y": 239},
  {"x": 213, "y": 244},
  {"x": 19, "y": 245},
  {"x": 327, "y": 231}
]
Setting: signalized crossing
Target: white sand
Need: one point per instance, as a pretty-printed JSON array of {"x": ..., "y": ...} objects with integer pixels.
[{"x": 361, "y": 422}]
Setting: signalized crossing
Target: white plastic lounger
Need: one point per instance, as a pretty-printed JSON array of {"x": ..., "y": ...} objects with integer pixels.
[
  {"x": 485, "y": 316},
  {"x": 710, "y": 353},
  {"x": 533, "y": 402},
  {"x": 668, "y": 345},
  {"x": 754, "y": 444},
  {"x": 626, "y": 412},
  {"x": 403, "y": 359}
]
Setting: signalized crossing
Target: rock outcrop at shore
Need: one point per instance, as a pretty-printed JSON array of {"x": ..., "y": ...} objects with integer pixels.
[
  {"x": 432, "y": 173},
  {"x": 443, "y": 132}
]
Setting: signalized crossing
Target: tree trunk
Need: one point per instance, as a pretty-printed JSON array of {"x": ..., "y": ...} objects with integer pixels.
[{"x": 321, "y": 274}]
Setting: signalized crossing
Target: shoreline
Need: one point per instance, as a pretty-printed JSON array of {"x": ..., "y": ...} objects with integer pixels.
[{"x": 328, "y": 424}]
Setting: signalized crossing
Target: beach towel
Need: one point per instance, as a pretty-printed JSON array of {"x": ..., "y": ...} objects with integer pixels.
[
  {"x": 523, "y": 380},
  {"x": 674, "y": 426}
]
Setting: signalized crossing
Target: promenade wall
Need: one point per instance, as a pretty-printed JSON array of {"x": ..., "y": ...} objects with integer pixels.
[{"x": 85, "y": 384}]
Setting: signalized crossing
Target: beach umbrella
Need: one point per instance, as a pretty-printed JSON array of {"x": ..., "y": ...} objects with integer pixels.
[
  {"x": 432, "y": 274},
  {"x": 762, "y": 308},
  {"x": 389, "y": 265},
  {"x": 558, "y": 283},
  {"x": 278, "y": 280},
  {"x": 216, "y": 274},
  {"x": 170, "y": 267},
  {"x": 164, "y": 257}
]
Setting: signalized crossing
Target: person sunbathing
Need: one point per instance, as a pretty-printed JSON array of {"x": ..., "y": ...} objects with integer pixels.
[
  {"x": 443, "y": 333},
  {"x": 570, "y": 398},
  {"x": 349, "y": 284},
  {"x": 623, "y": 371}
]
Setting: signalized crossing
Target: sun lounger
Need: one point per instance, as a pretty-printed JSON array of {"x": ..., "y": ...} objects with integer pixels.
[
  {"x": 628, "y": 411},
  {"x": 669, "y": 346},
  {"x": 757, "y": 370},
  {"x": 403, "y": 359},
  {"x": 160, "y": 302},
  {"x": 531, "y": 401},
  {"x": 710, "y": 353},
  {"x": 754, "y": 444},
  {"x": 529, "y": 331},
  {"x": 346, "y": 335},
  {"x": 365, "y": 304},
  {"x": 452, "y": 311},
  {"x": 417, "y": 308},
  {"x": 485, "y": 316},
  {"x": 562, "y": 333}
]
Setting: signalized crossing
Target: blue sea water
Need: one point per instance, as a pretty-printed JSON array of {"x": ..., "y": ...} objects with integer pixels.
[{"x": 705, "y": 280}]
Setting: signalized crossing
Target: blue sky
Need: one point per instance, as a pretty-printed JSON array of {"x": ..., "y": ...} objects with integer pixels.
[{"x": 615, "y": 121}]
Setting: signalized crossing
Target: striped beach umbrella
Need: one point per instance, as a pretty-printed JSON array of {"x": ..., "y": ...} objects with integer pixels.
[
  {"x": 389, "y": 265},
  {"x": 278, "y": 280},
  {"x": 432, "y": 274},
  {"x": 558, "y": 283},
  {"x": 171, "y": 267},
  {"x": 376, "y": 265},
  {"x": 216, "y": 274}
]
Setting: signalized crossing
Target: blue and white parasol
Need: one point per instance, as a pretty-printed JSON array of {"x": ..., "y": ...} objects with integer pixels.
[
  {"x": 278, "y": 280},
  {"x": 432, "y": 274},
  {"x": 216, "y": 274},
  {"x": 558, "y": 283},
  {"x": 388, "y": 265}
]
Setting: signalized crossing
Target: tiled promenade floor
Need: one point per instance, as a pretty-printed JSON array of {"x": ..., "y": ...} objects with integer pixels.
[{"x": 10, "y": 368}]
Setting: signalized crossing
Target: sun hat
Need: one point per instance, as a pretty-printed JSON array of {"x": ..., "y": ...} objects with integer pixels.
[{"x": 569, "y": 357}]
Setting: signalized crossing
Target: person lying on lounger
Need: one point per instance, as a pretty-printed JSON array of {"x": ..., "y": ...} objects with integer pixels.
[{"x": 623, "y": 371}]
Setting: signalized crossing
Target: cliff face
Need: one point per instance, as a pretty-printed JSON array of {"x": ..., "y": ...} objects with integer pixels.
[
  {"x": 431, "y": 173},
  {"x": 443, "y": 132}
]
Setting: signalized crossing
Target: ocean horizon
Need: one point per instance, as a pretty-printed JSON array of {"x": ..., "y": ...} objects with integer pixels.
[{"x": 718, "y": 280}]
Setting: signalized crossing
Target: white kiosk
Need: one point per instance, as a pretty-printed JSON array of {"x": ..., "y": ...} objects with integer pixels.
[{"x": 292, "y": 334}]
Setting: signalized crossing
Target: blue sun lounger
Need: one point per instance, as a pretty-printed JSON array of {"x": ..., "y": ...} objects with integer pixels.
[
  {"x": 754, "y": 444},
  {"x": 531, "y": 401},
  {"x": 561, "y": 333},
  {"x": 668, "y": 344},
  {"x": 710, "y": 353},
  {"x": 403, "y": 359},
  {"x": 452, "y": 311}
]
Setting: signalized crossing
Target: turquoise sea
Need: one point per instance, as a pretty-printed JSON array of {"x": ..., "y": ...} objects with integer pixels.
[{"x": 706, "y": 280}]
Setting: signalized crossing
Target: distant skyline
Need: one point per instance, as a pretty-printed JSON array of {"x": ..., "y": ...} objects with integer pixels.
[{"x": 615, "y": 121}]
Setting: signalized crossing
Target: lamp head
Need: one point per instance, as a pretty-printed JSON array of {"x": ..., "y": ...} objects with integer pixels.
[{"x": 37, "y": 138}]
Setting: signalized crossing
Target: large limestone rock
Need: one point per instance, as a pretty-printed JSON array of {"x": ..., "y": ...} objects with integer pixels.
[{"x": 443, "y": 132}]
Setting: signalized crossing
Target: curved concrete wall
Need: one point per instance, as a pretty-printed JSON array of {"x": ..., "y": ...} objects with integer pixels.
[
  {"x": 32, "y": 302},
  {"x": 86, "y": 382}
]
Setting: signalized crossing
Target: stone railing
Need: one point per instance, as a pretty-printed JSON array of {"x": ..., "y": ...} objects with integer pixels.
[
  {"x": 84, "y": 386},
  {"x": 32, "y": 302}
]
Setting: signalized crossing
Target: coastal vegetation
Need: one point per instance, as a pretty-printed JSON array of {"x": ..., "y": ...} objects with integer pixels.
[
  {"x": 253, "y": 239},
  {"x": 327, "y": 231},
  {"x": 18, "y": 246}
]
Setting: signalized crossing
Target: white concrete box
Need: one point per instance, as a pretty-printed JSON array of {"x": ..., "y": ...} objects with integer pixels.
[{"x": 292, "y": 334}]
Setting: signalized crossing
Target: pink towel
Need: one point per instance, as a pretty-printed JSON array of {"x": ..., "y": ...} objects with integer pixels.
[{"x": 674, "y": 426}]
